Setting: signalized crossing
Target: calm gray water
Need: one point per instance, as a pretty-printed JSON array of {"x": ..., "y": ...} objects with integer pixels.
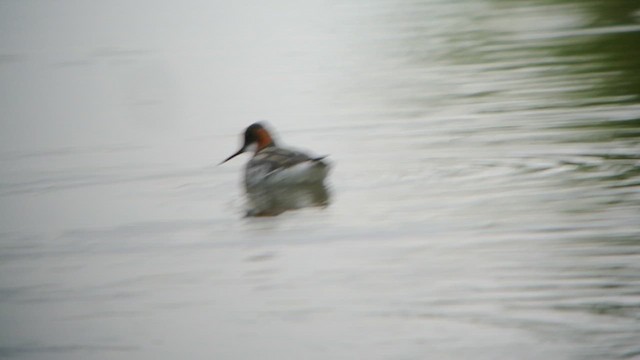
[{"x": 485, "y": 196}]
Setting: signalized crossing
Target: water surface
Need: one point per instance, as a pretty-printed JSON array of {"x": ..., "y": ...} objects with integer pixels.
[{"x": 485, "y": 192}]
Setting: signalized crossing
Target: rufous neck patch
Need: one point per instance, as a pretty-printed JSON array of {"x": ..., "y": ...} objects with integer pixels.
[{"x": 264, "y": 139}]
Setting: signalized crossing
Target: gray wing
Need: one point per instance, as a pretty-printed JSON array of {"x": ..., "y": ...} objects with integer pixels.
[
  {"x": 274, "y": 158},
  {"x": 270, "y": 160}
]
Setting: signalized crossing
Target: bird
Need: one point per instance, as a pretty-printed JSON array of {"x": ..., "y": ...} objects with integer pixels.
[{"x": 278, "y": 178}]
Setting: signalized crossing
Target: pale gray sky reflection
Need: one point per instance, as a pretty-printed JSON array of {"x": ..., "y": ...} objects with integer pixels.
[{"x": 483, "y": 202}]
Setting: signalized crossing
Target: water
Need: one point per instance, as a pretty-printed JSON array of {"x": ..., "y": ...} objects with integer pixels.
[{"x": 484, "y": 198}]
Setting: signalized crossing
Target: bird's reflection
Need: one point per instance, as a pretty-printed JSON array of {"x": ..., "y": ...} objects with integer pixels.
[{"x": 274, "y": 200}]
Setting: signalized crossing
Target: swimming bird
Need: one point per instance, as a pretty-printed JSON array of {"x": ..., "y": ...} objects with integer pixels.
[{"x": 276, "y": 178}]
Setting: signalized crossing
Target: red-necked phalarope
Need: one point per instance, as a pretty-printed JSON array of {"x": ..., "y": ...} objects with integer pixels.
[{"x": 279, "y": 179}]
